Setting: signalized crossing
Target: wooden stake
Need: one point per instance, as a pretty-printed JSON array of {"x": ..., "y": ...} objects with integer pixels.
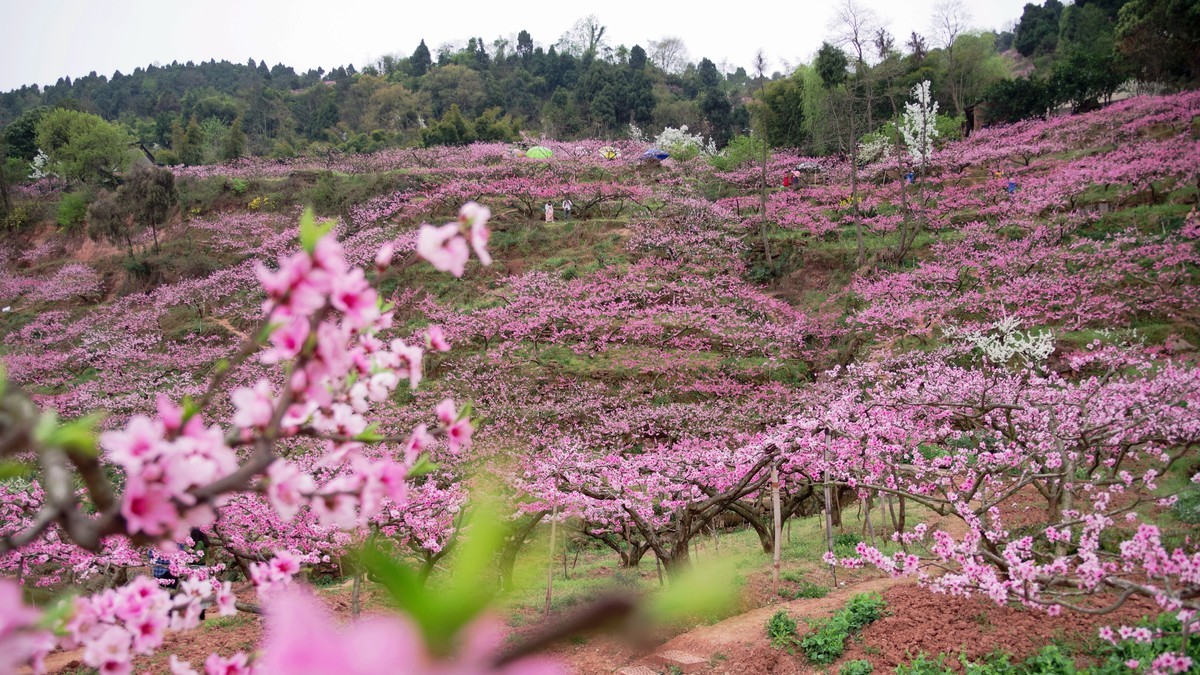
[
  {"x": 550, "y": 561},
  {"x": 828, "y": 517},
  {"x": 778, "y": 525}
]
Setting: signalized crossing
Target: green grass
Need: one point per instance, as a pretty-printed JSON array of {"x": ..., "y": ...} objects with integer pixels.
[
  {"x": 596, "y": 571},
  {"x": 222, "y": 622}
]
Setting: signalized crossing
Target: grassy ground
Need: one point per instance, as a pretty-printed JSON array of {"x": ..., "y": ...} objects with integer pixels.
[{"x": 735, "y": 556}]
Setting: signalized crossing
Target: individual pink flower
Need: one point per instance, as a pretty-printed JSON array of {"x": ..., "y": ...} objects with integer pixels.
[
  {"x": 288, "y": 488},
  {"x": 435, "y": 339},
  {"x": 409, "y": 361},
  {"x": 380, "y": 386},
  {"x": 418, "y": 441},
  {"x": 234, "y": 665},
  {"x": 180, "y": 667},
  {"x": 20, "y": 642},
  {"x": 355, "y": 298},
  {"x": 135, "y": 443},
  {"x": 109, "y": 651},
  {"x": 303, "y": 639},
  {"x": 255, "y": 407},
  {"x": 285, "y": 562},
  {"x": 443, "y": 248},
  {"x": 383, "y": 259},
  {"x": 279, "y": 284},
  {"x": 226, "y": 600},
  {"x": 148, "y": 631},
  {"x": 171, "y": 415},
  {"x": 446, "y": 412},
  {"x": 477, "y": 216},
  {"x": 288, "y": 339},
  {"x": 458, "y": 430},
  {"x": 147, "y": 508},
  {"x": 328, "y": 255},
  {"x": 458, "y": 435}
]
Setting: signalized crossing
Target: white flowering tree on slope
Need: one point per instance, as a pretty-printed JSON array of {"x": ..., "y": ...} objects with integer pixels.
[{"x": 918, "y": 126}]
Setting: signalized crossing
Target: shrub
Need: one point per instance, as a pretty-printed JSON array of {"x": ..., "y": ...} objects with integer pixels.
[
  {"x": 1187, "y": 507},
  {"x": 17, "y": 218},
  {"x": 72, "y": 210},
  {"x": 844, "y": 543},
  {"x": 781, "y": 629},
  {"x": 741, "y": 150}
]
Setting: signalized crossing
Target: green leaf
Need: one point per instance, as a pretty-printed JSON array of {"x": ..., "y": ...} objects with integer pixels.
[
  {"x": 55, "y": 616},
  {"x": 265, "y": 333},
  {"x": 190, "y": 409},
  {"x": 77, "y": 436},
  {"x": 311, "y": 231},
  {"x": 443, "y": 612},
  {"x": 46, "y": 425},
  {"x": 370, "y": 434},
  {"x": 422, "y": 467},
  {"x": 10, "y": 469}
]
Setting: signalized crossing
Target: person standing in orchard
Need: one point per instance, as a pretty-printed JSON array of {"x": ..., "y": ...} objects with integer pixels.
[
  {"x": 549, "y": 213},
  {"x": 567, "y": 206}
]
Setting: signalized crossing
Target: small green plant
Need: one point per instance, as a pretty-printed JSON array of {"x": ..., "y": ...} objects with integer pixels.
[
  {"x": 845, "y": 543},
  {"x": 781, "y": 629},
  {"x": 826, "y": 642},
  {"x": 865, "y": 608},
  {"x": 923, "y": 665},
  {"x": 239, "y": 186},
  {"x": 1051, "y": 660},
  {"x": 857, "y": 667}
]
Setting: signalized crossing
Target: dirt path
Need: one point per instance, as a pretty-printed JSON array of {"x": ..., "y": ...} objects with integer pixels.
[
  {"x": 224, "y": 323},
  {"x": 739, "y": 644},
  {"x": 751, "y": 628}
]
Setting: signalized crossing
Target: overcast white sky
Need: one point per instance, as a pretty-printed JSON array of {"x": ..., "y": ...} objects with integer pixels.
[{"x": 43, "y": 40}]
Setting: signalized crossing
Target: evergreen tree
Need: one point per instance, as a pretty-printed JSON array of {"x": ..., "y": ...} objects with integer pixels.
[
  {"x": 420, "y": 61},
  {"x": 191, "y": 147},
  {"x": 235, "y": 142}
]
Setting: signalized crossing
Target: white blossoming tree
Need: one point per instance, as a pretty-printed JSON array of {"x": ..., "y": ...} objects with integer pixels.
[{"x": 919, "y": 125}]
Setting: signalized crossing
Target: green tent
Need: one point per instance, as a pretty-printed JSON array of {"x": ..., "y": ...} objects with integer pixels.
[{"x": 539, "y": 152}]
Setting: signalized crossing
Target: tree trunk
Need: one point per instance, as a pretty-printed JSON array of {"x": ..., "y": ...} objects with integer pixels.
[
  {"x": 513, "y": 546},
  {"x": 678, "y": 562}
]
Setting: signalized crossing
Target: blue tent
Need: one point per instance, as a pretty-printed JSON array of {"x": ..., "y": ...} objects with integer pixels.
[{"x": 654, "y": 153}]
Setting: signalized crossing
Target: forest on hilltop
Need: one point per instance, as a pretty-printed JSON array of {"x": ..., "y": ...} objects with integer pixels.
[{"x": 582, "y": 86}]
